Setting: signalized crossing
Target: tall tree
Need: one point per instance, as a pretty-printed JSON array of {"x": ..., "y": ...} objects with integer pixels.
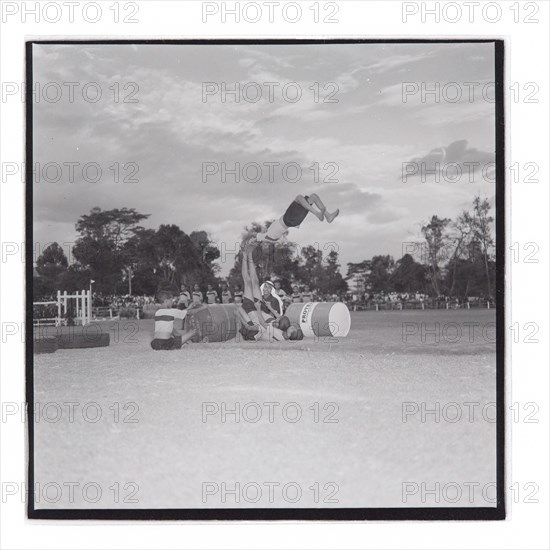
[
  {"x": 312, "y": 267},
  {"x": 435, "y": 234},
  {"x": 380, "y": 270},
  {"x": 408, "y": 276},
  {"x": 331, "y": 280},
  {"x": 101, "y": 246},
  {"x": 142, "y": 271},
  {"x": 357, "y": 273},
  {"x": 179, "y": 258},
  {"x": 482, "y": 233},
  {"x": 207, "y": 250},
  {"x": 462, "y": 231},
  {"x": 51, "y": 266}
]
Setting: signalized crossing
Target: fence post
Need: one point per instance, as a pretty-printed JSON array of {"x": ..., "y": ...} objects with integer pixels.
[
  {"x": 89, "y": 306},
  {"x": 58, "y": 320}
]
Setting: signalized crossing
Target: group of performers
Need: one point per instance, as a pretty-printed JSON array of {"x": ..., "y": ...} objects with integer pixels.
[{"x": 260, "y": 315}]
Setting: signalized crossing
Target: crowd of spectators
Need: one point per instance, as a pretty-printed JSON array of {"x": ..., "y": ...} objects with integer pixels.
[
  {"x": 108, "y": 305},
  {"x": 45, "y": 311},
  {"x": 227, "y": 295},
  {"x": 396, "y": 300},
  {"x": 120, "y": 301}
]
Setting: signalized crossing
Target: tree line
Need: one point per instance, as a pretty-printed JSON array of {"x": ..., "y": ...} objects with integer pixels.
[
  {"x": 455, "y": 258},
  {"x": 452, "y": 257},
  {"x": 123, "y": 257}
]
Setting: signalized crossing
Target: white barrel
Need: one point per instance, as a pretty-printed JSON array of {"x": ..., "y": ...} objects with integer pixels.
[{"x": 320, "y": 318}]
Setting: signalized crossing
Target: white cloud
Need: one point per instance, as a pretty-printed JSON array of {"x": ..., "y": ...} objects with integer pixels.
[{"x": 170, "y": 132}]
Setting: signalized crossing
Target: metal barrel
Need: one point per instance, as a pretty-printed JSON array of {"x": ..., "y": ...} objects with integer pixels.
[
  {"x": 320, "y": 318},
  {"x": 213, "y": 322}
]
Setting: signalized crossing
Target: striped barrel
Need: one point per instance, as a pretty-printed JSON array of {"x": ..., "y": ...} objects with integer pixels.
[
  {"x": 213, "y": 322},
  {"x": 320, "y": 318}
]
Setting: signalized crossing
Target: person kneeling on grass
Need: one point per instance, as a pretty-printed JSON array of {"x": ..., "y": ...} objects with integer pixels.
[
  {"x": 253, "y": 324},
  {"x": 166, "y": 335}
]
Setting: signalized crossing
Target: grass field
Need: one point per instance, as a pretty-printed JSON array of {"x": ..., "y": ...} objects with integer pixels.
[{"x": 145, "y": 429}]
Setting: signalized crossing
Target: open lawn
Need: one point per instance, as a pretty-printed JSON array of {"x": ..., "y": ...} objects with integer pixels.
[{"x": 314, "y": 423}]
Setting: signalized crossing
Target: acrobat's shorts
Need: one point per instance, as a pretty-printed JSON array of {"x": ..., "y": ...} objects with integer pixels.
[{"x": 276, "y": 230}]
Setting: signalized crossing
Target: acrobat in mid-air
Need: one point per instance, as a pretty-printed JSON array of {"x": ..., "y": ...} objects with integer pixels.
[{"x": 295, "y": 214}]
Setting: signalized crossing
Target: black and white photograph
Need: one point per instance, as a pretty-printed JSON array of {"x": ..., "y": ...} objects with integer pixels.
[{"x": 265, "y": 279}]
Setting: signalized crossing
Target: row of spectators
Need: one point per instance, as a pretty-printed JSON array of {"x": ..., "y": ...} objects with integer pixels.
[
  {"x": 118, "y": 301},
  {"x": 44, "y": 312},
  {"x": 391, "y": 299},
  {"x": 380, "y": 297},
  {"x": 130, "y": 306},
  {"x": 226, "y": 295}
]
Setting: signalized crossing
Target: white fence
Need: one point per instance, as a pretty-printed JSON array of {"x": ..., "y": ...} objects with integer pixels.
[{"x": 70, "y": 307}]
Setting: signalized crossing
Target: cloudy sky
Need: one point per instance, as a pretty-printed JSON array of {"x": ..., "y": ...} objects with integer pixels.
[{"x": 171, "y": 129}]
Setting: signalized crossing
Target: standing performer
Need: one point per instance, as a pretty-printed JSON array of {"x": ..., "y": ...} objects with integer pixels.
[
  {"x": 296, "y": 295},
  {"x": 226, "y": 294},
  {"x": 198, "y": 298},
  {"x": 211, "y": 295},
  {"x": 238, "y": 295},
  {"x": 184, "y": 298},
  {"x": 295, "y": 215},
  {"x": 307, "y": 295}
]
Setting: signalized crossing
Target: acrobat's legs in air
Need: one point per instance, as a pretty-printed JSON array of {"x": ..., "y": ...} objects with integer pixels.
[{"x": 312, "y": 200}]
